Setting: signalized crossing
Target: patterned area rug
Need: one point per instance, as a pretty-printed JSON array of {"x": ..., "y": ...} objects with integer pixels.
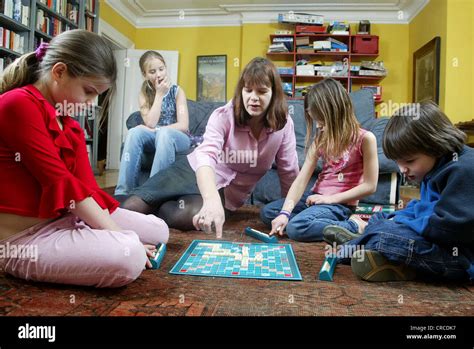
[{"x": 156, "y": 292}]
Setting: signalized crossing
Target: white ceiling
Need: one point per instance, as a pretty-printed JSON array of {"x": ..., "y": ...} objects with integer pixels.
[{"x": 189, "y": 13}]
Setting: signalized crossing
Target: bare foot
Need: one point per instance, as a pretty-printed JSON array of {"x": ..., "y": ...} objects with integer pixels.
[{"x": 359, "y": 221}]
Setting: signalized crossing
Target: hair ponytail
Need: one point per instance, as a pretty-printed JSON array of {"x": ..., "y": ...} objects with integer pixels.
[{"x": 23, "y": 71}]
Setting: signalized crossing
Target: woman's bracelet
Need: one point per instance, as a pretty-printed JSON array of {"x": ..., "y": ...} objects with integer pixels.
[{"x": 285, "y": 213}]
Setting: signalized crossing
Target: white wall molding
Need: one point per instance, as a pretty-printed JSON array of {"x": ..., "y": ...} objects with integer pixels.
[
  {"x": 122, "y": 10},
  {"x": 114, "y": 35},
  {"x": 134, "y": 11}
]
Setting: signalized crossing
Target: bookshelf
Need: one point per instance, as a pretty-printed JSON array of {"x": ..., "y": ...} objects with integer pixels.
[
  {"x": 351, "y": 58},
  {"x": 25, "y": 24}
]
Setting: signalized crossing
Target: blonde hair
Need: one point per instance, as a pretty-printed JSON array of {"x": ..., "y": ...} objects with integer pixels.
[
  {"x": 330, "y": 104},
  {"x": 148, "y": 89}
]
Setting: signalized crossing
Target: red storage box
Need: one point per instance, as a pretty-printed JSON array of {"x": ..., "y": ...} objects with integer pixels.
[
  {"x": 365, "y": 44},
  {"x": 310, "y": 29}
]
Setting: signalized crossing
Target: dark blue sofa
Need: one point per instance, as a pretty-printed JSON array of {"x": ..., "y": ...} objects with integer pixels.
[{"x": 268, "y": 188}]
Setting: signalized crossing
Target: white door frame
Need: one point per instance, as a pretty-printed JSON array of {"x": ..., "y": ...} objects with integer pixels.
[{"x": 115, "y": 120}]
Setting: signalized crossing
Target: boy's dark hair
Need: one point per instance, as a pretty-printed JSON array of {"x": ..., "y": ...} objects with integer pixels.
[{"x": 421, "y": 128}]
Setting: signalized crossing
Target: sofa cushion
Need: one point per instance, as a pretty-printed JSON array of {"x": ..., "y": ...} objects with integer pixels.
[
  {"x": 199, "y": 113},
  {"x": 296, "y": 111},
  {"x": 134, "y": 119},
  {"x": 377, "y": 128},
  {"x": 364, "y": 109}
]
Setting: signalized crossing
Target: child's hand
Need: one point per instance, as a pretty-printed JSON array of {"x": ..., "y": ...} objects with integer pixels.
[
  {"x": 150, "y": 253},
  {"x": 319, "y": 199},
  {"x": 279, "y": 224},
  {"x": 163, "y": 86}
]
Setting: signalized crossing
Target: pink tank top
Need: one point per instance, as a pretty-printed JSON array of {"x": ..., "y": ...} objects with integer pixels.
[{"x": 344, "y": 173}]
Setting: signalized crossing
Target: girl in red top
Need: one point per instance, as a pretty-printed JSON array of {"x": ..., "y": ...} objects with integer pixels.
[{"x": 50, "y": 203}]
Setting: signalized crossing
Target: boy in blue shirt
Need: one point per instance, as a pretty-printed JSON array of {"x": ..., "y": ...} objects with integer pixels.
[{"x": 433, "y": 237}]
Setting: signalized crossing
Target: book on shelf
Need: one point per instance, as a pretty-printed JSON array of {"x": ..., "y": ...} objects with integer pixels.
[
  {"x": 302, "y": 41},
  {"x": 337, "y": 69},
  {"x": 64, "y": 8},
  {"x": 365, "y": 72},
  {"x": 6, "y": 7},
  {"x": 305, "y": 49},
  {"x": 25, "y": 15},
  {"x": 285, "y": 70},
  {"x": 12, "y": 40},
  {"x": 339, "y": 28},
  {"x": 277, "y": 48},
  {"x": 336, "y": 43},
  {"x": 321, "y": 45},
  {"x": 331, "y": 45},
  {"x": 287, "y": 41},
  {"x": 16, "y": 10},
  {"x": 369, "y": 68}
]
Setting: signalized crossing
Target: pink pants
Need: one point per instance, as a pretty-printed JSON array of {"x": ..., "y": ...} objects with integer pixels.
[{"x": 70, "y": 252}]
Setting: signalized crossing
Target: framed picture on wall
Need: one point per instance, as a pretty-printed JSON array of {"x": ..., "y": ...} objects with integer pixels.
[
  {"x": 426, "y": 63},
  {"x": 211, "y": 78}
]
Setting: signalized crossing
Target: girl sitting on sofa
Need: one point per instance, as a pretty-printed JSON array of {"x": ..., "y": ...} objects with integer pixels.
[
  {"x": 164, "y": 111},
  {"x": 241, "y": 142},
  {"x": 350, "y": 169}
]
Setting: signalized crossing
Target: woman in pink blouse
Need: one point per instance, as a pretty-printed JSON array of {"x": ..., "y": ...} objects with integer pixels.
[{"x": 241, "y": 142}]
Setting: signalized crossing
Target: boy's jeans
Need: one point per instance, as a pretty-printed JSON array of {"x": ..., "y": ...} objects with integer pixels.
[{"x": 399, "y": 243}]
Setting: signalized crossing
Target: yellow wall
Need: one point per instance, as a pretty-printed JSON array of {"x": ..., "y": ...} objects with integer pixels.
[
  {"x": 393, "y": 51},
  {"x": 117, "y": 21},
  {"x": 241, "y": 44},
  {"x": 449, "y": 19},
  {"x": 429, "y": 23},
  {"x": 193, "y": 42},
  {"x": 459, "y": 61},
  {"x": 452, "y": 21}
]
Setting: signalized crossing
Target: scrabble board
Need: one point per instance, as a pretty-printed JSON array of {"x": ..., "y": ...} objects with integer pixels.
[{"x": 238, "y": 260}]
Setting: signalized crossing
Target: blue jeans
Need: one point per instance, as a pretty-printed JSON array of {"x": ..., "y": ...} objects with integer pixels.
[
  {"x": 399, "y": 243},
  {"x": 307, "y": 223},
  {"x": 164, "y": 141}
]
